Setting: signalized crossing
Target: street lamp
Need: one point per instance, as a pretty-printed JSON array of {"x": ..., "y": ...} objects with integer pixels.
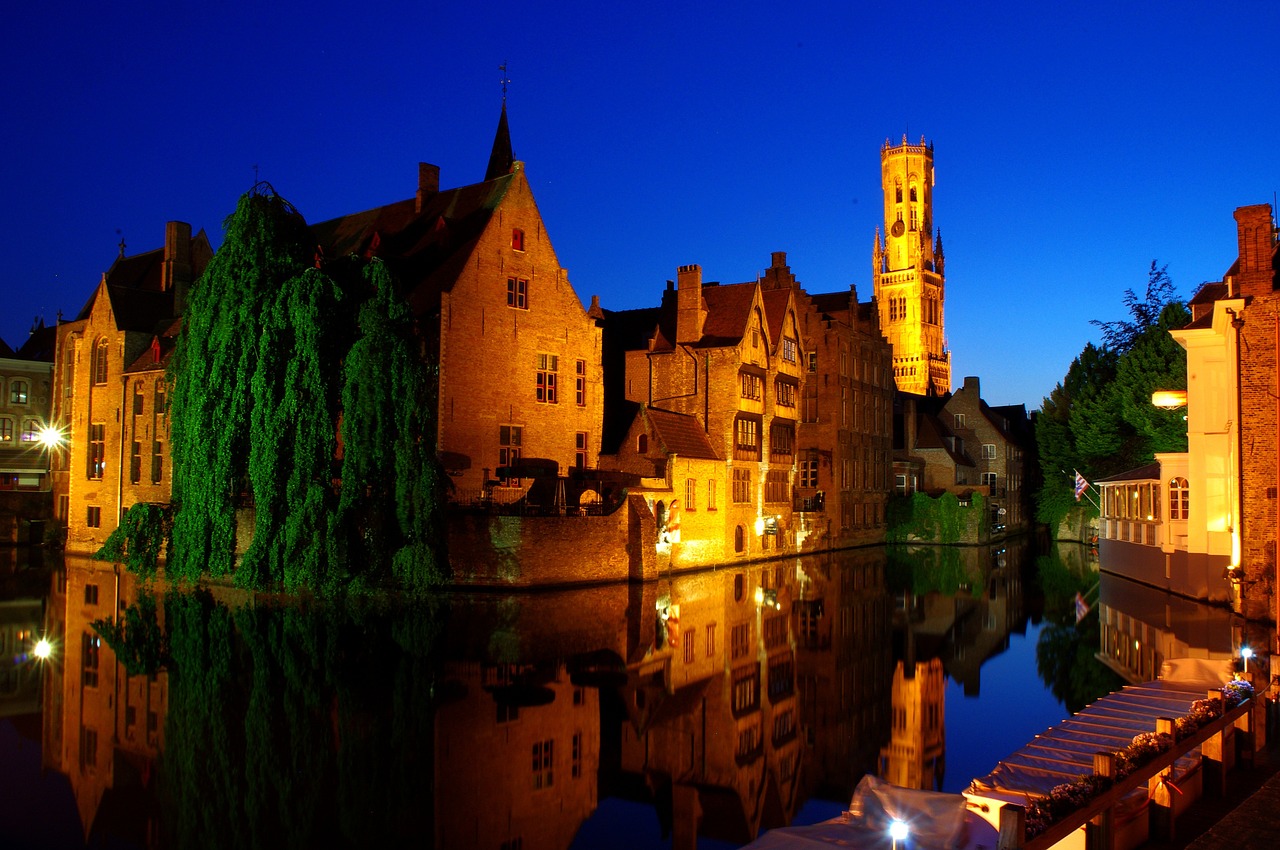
[
  {"x": 1246, "y": 653},
  {"x": 898, "y": 831}
]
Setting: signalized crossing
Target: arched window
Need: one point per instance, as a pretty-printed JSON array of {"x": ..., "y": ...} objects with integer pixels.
[
  {"x": 100, "y": 362},
  {"x": 739, "y": 539},
  {"x": 913, "y": 193},
  {"x": 642, "y": 444},
  {"x": 1179, "y": 499},
  {"x": 738, "y": 581},
  {"x": 897, "y": 191}
]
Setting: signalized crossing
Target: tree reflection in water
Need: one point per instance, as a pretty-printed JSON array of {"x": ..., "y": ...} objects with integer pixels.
[{"x": 507, "y": 718}]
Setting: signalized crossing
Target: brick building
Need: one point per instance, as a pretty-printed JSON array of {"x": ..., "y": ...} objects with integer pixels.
[
  {"x": 727, "y": 360},
  {"x": 26, "y": 376},
  {"x": 845, "y": 442},
  {"x": 110, "y": 394},
  {"x": 518, "y": 353},
  {"x": 997, "y": 441}
]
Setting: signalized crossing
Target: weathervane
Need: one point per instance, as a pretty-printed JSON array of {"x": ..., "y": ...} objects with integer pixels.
[{"x": 505, "y": 79}]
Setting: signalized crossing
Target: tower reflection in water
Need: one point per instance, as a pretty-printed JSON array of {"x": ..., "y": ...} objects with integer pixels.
[{"x": 724, "y": 700}]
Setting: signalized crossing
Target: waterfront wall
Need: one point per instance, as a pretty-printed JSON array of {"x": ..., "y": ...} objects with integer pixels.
[{"x": 495, "y": 550}]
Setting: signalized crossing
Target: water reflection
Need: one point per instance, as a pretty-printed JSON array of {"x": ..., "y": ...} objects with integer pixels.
[{"x": 724, "y": 700}]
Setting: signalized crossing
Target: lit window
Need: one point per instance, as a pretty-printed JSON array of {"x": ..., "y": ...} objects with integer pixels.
[
  {"x": 548, "y": 366},
  {"x": 6, "y": 429},
  {"x": 100, "y": 362},
  {"x": 747, "y": 439},
  {"x": 785, "y": 393},
  {"x": 809, "y": 472},
  {"x": 510, "y": 439},
  {"x": 97, "y": 450},
  {"x": 18, "y": 392},
  {"x": 1179, "y": 499},
  {"x": 30, "y": 431},
  {"x": 518, "y": 293}
]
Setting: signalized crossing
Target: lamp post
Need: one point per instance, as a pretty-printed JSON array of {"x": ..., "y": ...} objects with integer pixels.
[{"x": 898, "y": 831}]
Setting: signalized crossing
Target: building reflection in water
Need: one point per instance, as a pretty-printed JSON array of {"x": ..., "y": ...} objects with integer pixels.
[
  {"x": 725, "y": 699},
  {"x": 1142, "y": 626}
]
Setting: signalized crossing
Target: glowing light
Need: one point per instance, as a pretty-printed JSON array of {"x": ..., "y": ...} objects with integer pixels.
[
  {"x": 43, "y": 649},
  {"x": 1169, "y": 399},
  {"x": 1246, "y": 653},
  {"x": 898, "y": 831},
  {"x": 51, "y": 437}
]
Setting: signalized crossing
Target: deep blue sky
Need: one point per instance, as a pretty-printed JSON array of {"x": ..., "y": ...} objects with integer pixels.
[{"x": 1072, "y": 146}]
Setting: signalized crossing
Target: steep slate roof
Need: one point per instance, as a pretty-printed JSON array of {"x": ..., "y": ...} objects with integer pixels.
[
  {"x": 39, "y": 345},
  {"x": 5, "y": 350},
  {"x": 427, "y": 249},
  {"x": 932, "y": 434},
  {"x": 680, "y": 434},
  {"x": 831, "y": 302},
  {"x": 728, "y": 313}
]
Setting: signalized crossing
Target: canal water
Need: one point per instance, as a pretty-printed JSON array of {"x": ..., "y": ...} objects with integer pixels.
[{"x": 700, "y": 708}]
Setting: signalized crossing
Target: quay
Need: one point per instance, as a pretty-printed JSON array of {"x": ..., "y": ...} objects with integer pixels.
[{"x": 1215, "y": 785}]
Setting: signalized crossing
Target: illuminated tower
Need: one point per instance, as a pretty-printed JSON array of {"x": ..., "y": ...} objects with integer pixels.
[{"x": 907, "y": 271}]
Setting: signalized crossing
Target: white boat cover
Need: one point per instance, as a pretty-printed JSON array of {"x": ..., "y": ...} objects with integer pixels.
[
  {"x": 1064, "y": 753},
  {"x": 935, "y": 821}
]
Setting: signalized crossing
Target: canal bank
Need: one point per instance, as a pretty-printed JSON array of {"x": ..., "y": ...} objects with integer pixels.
[{"x": 1247, "y": 816}]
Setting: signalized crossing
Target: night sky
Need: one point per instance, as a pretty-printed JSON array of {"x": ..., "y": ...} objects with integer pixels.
[{"x": 1072, "y": 147}]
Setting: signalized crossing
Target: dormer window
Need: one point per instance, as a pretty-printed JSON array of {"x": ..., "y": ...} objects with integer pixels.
[{"x": 517, "y": 239}]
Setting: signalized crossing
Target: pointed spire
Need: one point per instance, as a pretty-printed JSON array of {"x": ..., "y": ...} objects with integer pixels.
[{"x": 501, "y": 158}]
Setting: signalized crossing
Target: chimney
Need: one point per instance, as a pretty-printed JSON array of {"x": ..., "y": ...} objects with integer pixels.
[
  {"x": 176, "y": 271},
  {"x": 1255, "y": 235},
  {"x": 428, "y": 184},
  {"x": 690, "y": 314},
  {"x": 971, "y": 384}
]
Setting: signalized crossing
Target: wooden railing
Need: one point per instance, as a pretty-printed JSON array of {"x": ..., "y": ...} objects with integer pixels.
[{"x": 1099, "y": 812}]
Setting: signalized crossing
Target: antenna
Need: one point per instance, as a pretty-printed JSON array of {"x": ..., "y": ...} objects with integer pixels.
[{"x": 505, "y": 79}]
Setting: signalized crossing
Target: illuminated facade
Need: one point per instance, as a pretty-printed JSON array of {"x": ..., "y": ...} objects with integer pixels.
[
  {"x": 907, "y": 270},
  {"x": 1203, "y": 523},
  {"x": 518, "y": 352},
  {"x": 25, "y": 378},
  {"x": 728, "y": 359},
  {"x": 846, "y": 426},
  {"x": 110, "y": 396}
]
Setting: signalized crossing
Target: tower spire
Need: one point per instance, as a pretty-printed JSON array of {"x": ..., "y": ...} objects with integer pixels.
[{"x": 501, "y": 158}]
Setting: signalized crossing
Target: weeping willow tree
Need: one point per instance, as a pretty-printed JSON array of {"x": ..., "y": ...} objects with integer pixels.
[{"x": 268, "y": 370}]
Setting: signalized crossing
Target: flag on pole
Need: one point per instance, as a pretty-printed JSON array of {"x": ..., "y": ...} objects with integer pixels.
[{"x": 1081, "y": 485}]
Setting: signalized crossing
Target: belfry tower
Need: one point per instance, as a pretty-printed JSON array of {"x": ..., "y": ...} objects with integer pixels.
[{"x": 909, "y": 285}]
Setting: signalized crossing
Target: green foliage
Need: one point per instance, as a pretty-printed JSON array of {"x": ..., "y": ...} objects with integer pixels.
[
  {"x": 1099, "y": 420},
  {"x": 277, "y": 356},
  {"x": 921, "y": 517},
  {"x": 138, "y": 539},
  {"x": 280, "y": 720},
  {"x": 1066, "y": 649},
  {"x": 921, "y": 570}
]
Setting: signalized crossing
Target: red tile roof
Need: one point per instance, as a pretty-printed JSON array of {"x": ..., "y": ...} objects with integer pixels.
[{"x": 680, "y": 434}]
